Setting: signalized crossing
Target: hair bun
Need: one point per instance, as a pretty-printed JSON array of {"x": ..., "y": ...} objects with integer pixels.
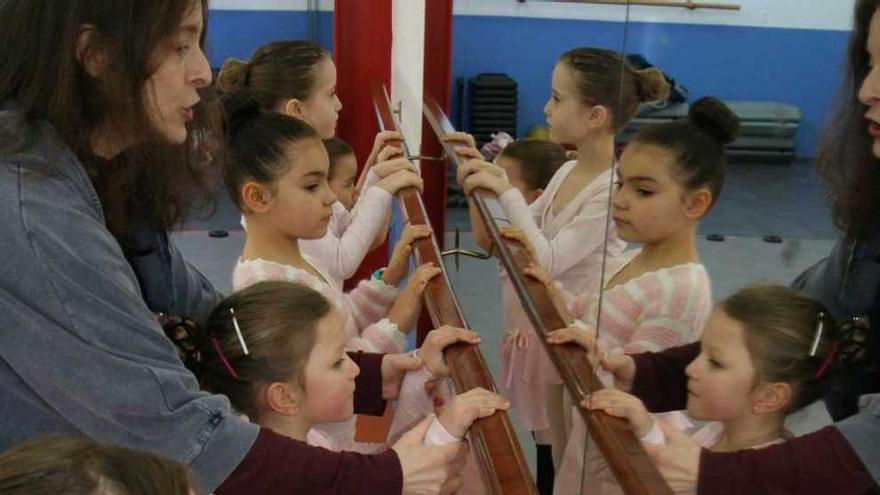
[
  {"x": 652, "y": 85},
  {"x": 239, "y": 107},
  {"x": 232, "y": 75},
  {"x": 713, "y": 117}
]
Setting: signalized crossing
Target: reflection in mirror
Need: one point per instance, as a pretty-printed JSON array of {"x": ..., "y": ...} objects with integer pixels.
[
  {"x": 717, "y": 182},
  {"x": 569, "y": 81}
]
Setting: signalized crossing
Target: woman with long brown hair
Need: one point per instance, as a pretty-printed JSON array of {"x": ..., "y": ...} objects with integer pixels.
[{"x": 107, "y": 126}]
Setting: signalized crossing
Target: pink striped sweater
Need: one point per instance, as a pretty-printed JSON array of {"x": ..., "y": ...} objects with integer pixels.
[
  {"x": 363, "y": 309},
  {"x": 651, "y": 312},
  {"x": 654, "y": 311}
]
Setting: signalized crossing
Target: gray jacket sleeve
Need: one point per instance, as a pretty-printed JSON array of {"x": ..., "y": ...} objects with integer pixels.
[
  {"x": 846, "y": 282},
  {"x": 862, "y": 431},
  {"x": 168, "y": 282},
  {"x": 81, "y": 352}
]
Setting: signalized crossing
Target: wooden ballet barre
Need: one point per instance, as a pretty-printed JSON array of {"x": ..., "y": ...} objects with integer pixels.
[
  {"x": 663, "y": 3},
  {"x": 621, "y": 449},
  {"x": 493, "y": 440}
]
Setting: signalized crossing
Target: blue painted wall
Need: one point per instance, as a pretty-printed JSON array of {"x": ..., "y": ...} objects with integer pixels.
[
  {"x": 797, "y": 66},
  {"x": 236, "y": 33}
]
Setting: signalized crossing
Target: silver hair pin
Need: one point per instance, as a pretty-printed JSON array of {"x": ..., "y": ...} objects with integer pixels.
[
  {"x": 238, "y": 331},
  {"x": 820, "y": 326}
]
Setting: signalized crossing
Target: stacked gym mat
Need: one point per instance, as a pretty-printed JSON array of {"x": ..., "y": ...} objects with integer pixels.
[
  {"x": 767, "y": 135},
  {"x": 493, "y": 99}
]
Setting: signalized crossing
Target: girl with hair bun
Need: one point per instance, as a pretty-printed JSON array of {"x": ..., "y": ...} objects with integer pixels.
[
  {"x": 298, "y": 78},
  {"x": 659, "y": 295},
  {"x": 594, "y": 93}
]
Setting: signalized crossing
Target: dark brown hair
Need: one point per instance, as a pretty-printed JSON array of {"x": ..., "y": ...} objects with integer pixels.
[
  {"x": 697, "y": 143},
  {"x": 73, "y": 465},
  {"x": 538, "y": 160},
  {"x": 41, "y": 72},
  {"x": 258, "y": 143},
  {"x": 336, "y": 149},
  {"x": 278, "y": 321},
  {"x": 275, "y": 72},
  {"x": 844, "y": 155},
  {"x": 780, "y": 326},
  {"x": 606, "y": 78}
]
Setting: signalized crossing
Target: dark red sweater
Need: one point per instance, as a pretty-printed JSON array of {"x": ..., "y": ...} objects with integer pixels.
[
  {"x": 279, "y": 465},
  {"x": 820, "y": 463}
]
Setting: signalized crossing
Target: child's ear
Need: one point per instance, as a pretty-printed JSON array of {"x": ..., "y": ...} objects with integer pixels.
[
  {"x": 91, "y": 56},
  {"x": 772, "y": 397},
  {"x": 697, "y": 203},
  {"x": 598, "y": 117},
  {"x": 256, "y": 197},
  {"x": 283, "y": 398},
  {"x": 293, "y": 108}
]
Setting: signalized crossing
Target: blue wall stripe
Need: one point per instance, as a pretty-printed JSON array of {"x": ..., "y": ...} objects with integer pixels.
[
  {"x": 797, "y": 66},
  {"x": 236, "y": 33}
]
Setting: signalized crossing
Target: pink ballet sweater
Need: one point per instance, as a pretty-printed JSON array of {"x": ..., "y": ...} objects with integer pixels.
[
  {"x": 570, "y": 245},
  {"x": 654, "y": 311},
  {"x": 363, "y": 309},
  {"x": 350, "y": 234}
]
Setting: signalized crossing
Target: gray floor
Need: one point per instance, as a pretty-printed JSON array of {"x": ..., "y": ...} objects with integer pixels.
[{"x": 758, "y": 200}]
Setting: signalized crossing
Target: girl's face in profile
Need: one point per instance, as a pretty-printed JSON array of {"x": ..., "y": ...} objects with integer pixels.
[
  {"x": 329, "y": 374},
  {"x": 321, "y": 109}
]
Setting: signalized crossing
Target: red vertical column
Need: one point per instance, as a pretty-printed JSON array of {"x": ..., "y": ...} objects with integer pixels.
[
  {"x": 362, "y": 51},
  {"x": 437, "y": 85},
  {"x": 362, "y": 34}
]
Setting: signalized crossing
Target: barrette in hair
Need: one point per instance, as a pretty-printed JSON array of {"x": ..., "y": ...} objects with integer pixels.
[
  {"x": 817, "y": 338},
  {"x": 238, "y": 332}
]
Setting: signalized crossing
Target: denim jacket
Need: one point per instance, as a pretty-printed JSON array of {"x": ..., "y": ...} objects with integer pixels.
[
  {"x": 847, "y": 283},
  {"x": 80, "y": 351}
]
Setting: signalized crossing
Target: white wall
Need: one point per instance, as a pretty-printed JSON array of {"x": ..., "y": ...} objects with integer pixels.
[
  {"x": 407, "y": 67},
  {"x": 802, "y": 14},
  {"x": 805, "y": 14}
]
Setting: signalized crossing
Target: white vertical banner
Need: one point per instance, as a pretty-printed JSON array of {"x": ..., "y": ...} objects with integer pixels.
[{"x": 408, "y": 67}]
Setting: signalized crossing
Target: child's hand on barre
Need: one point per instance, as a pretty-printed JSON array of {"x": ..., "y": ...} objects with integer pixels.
[
  {"x": 469, "y": 151},
  {"x": 462, "y": 410},
  {"x": 575, "y": 334},
  {"x": 401, "y": 180},
  {"x": 476, "y": 166},
  {"x": 517, "y": 234},
  {"x": 538, "y": 273},
  {"x": 382, "y": 141},
  {"x": 406, "y": 308},
  {"x": 622, "y": 405},
  {"x": 437, "y": 341},
  {"x": 621, "y": 366},
  {"x": 391, "y": 160},
  {"x": 398, "y": 264}
]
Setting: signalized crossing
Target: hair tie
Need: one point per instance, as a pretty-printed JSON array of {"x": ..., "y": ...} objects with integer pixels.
[
  {"x": 827, "y": 362},
  {"x": 222, "y": 357}
]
